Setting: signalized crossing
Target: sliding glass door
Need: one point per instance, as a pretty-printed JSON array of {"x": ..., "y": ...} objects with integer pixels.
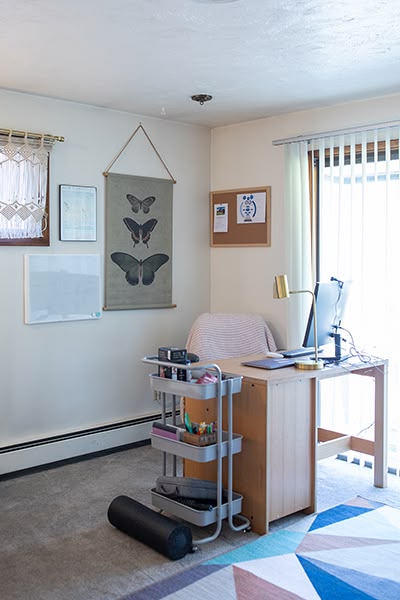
[{"x": 357, "y": 191}]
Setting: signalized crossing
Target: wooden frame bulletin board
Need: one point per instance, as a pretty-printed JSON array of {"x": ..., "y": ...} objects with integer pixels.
[{"x": 241, "y": 217}]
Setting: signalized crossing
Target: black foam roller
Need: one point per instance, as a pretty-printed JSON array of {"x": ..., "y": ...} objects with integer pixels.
[{"x": 162, "y": 533}]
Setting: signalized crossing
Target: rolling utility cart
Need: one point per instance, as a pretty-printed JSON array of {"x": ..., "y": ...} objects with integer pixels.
[{"x": 227, "y": 444}]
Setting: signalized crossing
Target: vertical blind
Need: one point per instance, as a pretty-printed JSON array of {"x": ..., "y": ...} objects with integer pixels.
[{"x": 357, "y": 186}]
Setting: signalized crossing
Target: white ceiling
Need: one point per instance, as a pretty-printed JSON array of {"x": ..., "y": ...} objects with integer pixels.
[{"x": 257, "y": 58}]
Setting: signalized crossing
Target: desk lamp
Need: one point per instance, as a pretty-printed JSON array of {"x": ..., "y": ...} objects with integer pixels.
[{"x": 282, "y": 290}]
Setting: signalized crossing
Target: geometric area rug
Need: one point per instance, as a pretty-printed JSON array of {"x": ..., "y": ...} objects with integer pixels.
[{"x": 349, "y": 552}]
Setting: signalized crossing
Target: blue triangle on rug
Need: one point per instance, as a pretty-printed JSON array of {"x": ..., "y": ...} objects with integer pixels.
[
  {"x": 347, "y": 584},
  {"x": 338, "y": 513},
  {"x": 272, "y": 544}
]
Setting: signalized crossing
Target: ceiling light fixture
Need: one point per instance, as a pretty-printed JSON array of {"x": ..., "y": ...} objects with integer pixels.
[
  {"x": 201, "y": 98},
  {"x": 215, "y": 1}
]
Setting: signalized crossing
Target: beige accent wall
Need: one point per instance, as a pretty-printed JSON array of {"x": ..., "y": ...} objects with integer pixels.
[{"x": 243, "y": 155}]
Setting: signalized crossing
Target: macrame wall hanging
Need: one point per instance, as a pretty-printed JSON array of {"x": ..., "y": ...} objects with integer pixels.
[
  {"x": 138, "y": 252},
  {"x": 23, "y": 187}
]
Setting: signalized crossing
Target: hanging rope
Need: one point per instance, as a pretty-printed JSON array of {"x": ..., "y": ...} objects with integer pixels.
[{"x": 140, "y": 126}]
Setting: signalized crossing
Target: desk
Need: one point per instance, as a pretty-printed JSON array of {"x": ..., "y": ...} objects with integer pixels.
[{"x": 276, "y": 414}]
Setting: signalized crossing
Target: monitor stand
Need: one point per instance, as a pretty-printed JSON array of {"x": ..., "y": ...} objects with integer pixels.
[{"x": 339, "y": 356}]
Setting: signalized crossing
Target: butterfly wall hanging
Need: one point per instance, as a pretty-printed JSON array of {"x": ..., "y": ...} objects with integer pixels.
[{"x": 138, "y": 243}]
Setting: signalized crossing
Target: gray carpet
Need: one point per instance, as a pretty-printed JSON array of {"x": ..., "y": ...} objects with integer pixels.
[{"x": 57, "y": 543}]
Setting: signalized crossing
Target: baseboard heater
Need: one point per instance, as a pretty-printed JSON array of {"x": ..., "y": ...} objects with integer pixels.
[{"x": 48, "y": 450}]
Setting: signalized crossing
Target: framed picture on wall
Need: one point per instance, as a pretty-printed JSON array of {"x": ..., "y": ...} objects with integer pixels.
[{"x": 78, "y": 208}]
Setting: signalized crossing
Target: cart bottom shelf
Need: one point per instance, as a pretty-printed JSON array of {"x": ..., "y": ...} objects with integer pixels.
[{"x": 201, "y": 518}]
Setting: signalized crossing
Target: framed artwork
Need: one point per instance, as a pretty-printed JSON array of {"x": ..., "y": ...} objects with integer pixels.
[
  {"x": 78, "y": 207},
  {"x": 241, "y": 217}
]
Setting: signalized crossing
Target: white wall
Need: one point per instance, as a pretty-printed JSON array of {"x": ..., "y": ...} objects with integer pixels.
[
  {"x": 62, "y": 377},
  {"x": 243, "y": 155}
]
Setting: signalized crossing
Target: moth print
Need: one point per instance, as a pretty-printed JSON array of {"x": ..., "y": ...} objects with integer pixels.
[{"x": 137, "y": 204}]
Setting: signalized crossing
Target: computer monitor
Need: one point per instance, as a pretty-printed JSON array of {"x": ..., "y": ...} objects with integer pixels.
[{"x": 330, "y": 304}]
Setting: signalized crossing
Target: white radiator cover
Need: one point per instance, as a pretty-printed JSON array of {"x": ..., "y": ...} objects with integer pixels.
[{"x": 75, "y": 445}]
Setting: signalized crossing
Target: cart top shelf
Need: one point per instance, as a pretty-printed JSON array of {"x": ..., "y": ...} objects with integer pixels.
[
  {"x": 199, "y": 391},
  {"x": 202, "y": 391}
]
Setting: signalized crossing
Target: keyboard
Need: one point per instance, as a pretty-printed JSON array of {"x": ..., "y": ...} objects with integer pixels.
[{"x": 298, "y": 352}]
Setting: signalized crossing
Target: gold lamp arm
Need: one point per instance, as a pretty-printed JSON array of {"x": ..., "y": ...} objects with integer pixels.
[{"x": 282, "y": 291}]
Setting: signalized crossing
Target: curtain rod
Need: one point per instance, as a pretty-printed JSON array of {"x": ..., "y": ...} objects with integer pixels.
[
  {"x": 47, "y": 137},
  {"x": 336, "y": 132}
]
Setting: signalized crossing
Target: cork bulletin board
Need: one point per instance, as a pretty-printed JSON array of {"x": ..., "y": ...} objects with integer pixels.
[{"x": 241, "y": 217}]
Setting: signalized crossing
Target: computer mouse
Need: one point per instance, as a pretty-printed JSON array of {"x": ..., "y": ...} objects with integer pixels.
[{"x": 274, "y": 355}]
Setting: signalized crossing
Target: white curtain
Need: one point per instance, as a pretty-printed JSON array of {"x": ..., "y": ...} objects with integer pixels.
[
  {"x": 359, "y": 234},
  {"x": 23, "y": 187},
  {"x": 298, "y": 242},
  {"x": 359, "y": 183}
]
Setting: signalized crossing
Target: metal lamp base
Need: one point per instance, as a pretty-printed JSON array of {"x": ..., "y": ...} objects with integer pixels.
[{"x": 309, "y": 365}]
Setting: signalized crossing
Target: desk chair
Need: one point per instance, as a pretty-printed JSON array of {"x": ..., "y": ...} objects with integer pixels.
[
  {"x": 225, "y": 335},
  {"x": 214, "y": 336}
]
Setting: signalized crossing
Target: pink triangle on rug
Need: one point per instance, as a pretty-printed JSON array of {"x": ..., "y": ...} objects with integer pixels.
[
  {"x": 250, "y": 587},
  {"x": 361, "y": 502}
]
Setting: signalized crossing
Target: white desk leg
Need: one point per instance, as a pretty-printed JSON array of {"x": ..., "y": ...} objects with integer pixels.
[{"x": 380, "y": 467}]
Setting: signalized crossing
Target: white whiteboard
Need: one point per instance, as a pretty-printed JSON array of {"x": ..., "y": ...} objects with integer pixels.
[{"x": 62, "y": 287}]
